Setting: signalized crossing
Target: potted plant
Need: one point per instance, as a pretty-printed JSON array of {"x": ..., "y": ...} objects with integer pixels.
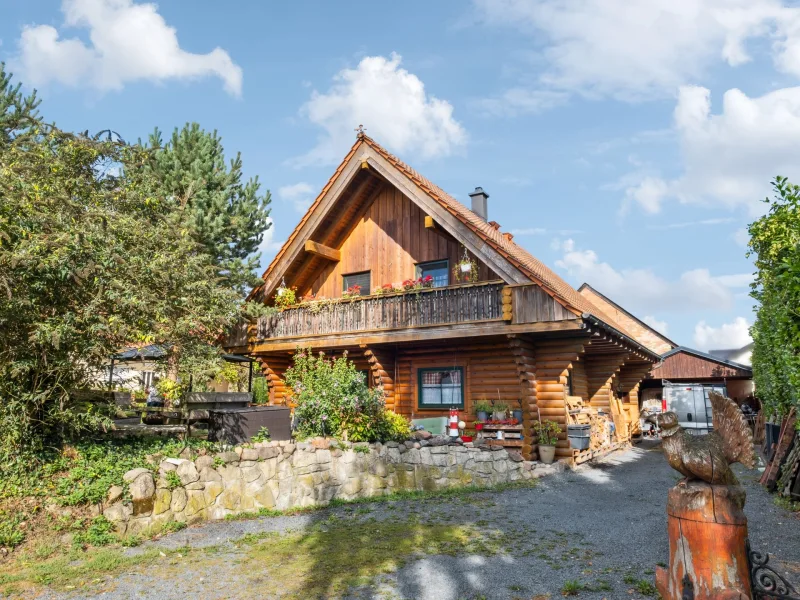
[
  {"x": 482, "y": 410},
  {"x": 285, "y": 296},
  {"x": 466, "y": 269},
  {"x": 354, "y": 291},
  {"x": 499, "y": 411},
  {"x": 547, "y": 432},
  {"x": 517, "y": 412}
]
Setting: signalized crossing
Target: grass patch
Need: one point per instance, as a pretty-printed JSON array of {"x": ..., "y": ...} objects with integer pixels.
[
  {"x": 572, "y": 587},
  {"x": 332, "y": 557},
  {"x": 787, "y": 504},
  {"x": 76, "y": 569}
]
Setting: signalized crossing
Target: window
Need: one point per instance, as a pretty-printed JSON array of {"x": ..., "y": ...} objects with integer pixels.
[
  {"x": 359, "y": 279},
  {"x": 438, "y": 269},
  {"x": 147, "y": 379},
  {"x": 441, "y": 388}
]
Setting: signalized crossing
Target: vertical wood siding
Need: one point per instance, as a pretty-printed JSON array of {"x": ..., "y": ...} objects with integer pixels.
[{"x": 388, "y": 240}]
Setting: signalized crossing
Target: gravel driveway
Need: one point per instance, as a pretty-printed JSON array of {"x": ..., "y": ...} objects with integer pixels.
[{"x": 601, "y": 528}]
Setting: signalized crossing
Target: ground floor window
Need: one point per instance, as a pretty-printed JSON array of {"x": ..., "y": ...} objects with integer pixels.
[{"x": 441, "y": 388}]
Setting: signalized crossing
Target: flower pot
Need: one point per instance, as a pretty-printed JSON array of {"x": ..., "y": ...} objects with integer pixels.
[
  {"x": 466, "y": 267},
  {"x": 482, "y": 415},
  {"x": 466, "y": 438},
  {"x": 499, "y": 415},
  {"x": 517, "y": 414},
  {"x": 479, "y": 426},
  {"x": 547, "y": 454}
]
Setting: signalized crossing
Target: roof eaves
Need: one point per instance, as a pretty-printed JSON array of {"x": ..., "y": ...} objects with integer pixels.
[
  {"x": 597, "y": 321},
  {"x": 707, "y": 356}
]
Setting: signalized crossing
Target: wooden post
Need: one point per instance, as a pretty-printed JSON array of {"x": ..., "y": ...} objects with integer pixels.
[
  {"x": 707, "y": 544},
  {"x": 111, "y": 375}
]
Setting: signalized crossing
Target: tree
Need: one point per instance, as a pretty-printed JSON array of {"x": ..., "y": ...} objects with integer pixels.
[
  {"x": 92, "y": 258},
  {"x": 229, "y": 217},
  {"x": 775, "y": 244}
]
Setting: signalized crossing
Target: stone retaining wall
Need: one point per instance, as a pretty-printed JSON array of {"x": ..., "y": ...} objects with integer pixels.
[{"x": 282, "y": 475}]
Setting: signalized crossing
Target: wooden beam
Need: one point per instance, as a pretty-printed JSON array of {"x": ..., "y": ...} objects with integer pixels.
[
  {"x": 324, "y": 251},
  {"x": 430, "y": 223}
]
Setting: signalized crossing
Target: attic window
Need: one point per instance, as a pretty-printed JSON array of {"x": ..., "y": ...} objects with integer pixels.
[
  {"x": 360, "y": 279},
  {"x": 438, "y": 269}
]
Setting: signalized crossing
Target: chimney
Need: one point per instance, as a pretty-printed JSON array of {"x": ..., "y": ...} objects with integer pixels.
[{"x": 479, "y": 204}]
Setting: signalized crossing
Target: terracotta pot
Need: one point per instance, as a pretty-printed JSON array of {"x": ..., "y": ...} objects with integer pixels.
[{"x": 547, "y": 454}]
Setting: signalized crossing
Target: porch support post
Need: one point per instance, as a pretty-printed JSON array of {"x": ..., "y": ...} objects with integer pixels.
[
  {"x": 250, "y": 378},
  {"x": 111, "y": 375}
]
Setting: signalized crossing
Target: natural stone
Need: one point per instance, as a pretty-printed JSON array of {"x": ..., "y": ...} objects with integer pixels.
[
  {"x": 267, "y": 452},
  {"x": 162, "y": 501},
  {"x": 179, "y": 498},
  {"x": 142, "y": 490},
  {"x": 211, "y": 491},
  {"x": 249, "y": 454},
  {"x": 187, "y": 473},
  {"x": 114, "y": 494},
  {"x": 230, "y": 473},
  {"x": 195, "y": 503},
  {"x": 202, "y": 462},
  {"x": 209, "y": 474},
  {"x": 228, "y": 457},
  {"x": 131, "y": 475}
]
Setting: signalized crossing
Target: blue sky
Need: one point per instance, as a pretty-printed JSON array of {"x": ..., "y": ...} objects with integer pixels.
[{"x": 625, "y": 143}]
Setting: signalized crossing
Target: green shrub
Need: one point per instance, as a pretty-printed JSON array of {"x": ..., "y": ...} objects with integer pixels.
[
  {"x": 261, "y": 436},
  {"x": 99, "y": 533},
  {"x": 173, "y": 481},
  {"x": 394, "y": 427},
  {"x": 547, "y": 432},
  {"x": 10, "y": 533},
  {"x": 333, "y": 398},
  {"x": 260, "y": 391}
]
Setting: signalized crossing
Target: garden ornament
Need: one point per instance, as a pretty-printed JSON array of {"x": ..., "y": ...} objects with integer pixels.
[{"x": 708, "y": 552}]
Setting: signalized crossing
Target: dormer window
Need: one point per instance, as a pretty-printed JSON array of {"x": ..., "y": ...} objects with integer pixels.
[{"x": 438, "y": 269}]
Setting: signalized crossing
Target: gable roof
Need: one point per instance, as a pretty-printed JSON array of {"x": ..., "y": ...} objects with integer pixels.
[
  {"x": 638, "y": 336},
  {"x": 708, "y": 357},
  {"x": 531, "y": 268}
]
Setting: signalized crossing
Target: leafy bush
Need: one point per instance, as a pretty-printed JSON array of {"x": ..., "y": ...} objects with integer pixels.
[
  {"x": 333, "y": 398},
  {"x": 99, "y": 533},
  {"x": 10, "y": 533},
  {"x": 260, "y": 391},
  {"x": 172, "y": 479},
  {"x": 547, "y": 432},
  {"x": 261, "y": 436},
  {"x": 394, "y": 427}
]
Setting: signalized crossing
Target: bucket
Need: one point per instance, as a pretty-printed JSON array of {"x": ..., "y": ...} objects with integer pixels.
[{"x": 579, "y": 436}]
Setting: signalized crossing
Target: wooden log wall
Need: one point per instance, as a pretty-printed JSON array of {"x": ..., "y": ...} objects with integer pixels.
[
  {"x": 389, "y": 239},
  {"x": 554, "y": 358},
  {"x": 274, "y": 368},
  {"x": 601, "y": 371},
  {"x": 525, "y": 358},
  {"x": 630, "y": 377},
  {"x": 382, "y": 366},
  {"x": 489, "y": 368}
]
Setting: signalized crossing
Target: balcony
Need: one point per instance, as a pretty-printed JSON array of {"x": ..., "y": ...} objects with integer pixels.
[{"x": 454, "y": 305}]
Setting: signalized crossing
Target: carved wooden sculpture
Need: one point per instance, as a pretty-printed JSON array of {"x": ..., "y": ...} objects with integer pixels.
[
  {"x": 708, "y": 457},
  {"x": 706, "y": 524}
]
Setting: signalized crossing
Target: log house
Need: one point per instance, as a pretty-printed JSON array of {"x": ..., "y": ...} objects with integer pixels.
[{"x": 517, "y": 332}]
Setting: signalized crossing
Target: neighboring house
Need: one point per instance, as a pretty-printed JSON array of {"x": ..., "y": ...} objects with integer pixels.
[
  {"x": 685, "y": 365},
  {"x": 518, "y": 333},
  {"x": 743, "y": 355},
  {"x": 679, "y": 364}
]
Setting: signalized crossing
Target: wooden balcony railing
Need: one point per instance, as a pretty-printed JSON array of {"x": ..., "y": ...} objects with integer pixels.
[{"x": 438, "y": 306}]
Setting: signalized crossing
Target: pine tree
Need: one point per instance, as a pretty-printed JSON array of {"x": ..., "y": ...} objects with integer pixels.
[
  {"x": 229, "y": 216},
  {"x": 17, "y": 112}
]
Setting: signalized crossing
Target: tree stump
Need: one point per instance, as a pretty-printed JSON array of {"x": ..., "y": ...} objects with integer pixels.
[{"x": 707, "y": 544}]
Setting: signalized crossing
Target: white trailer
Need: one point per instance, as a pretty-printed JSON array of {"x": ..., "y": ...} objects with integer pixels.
[{"x": 692, "y": 404}]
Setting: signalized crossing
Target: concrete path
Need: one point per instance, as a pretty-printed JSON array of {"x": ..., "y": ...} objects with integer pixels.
[{"x": 600, "y": 529}]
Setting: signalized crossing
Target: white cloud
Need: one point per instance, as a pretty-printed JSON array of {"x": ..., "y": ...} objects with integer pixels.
[
  {"x": 660, "y": 326},
  {"x": 726, "y": 336},
  {"x": 127, "y": 42},
  {"x": 393, "y": 106},
  {"x": 729, "y": 158},
  {"x": 632, "y": 50},
  {"x": 301, "y": 195},
  {"x": 685, "y": 224},
  {"x": 644, "y": 291}
]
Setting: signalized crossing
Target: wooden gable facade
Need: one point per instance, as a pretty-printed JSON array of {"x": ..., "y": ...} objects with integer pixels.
[{"x": 519, "y": 333}]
